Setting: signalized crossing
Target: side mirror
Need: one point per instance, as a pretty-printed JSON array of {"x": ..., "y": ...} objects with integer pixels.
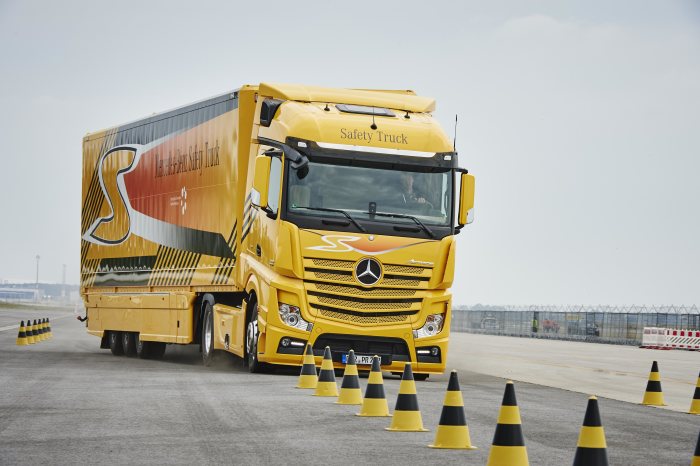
[
  {"x": 261, "y": 181},
  {"x": 466, "y": 200}
]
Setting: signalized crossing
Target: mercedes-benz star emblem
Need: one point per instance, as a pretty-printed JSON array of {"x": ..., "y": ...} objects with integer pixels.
[{"x": 368, "y": 271}]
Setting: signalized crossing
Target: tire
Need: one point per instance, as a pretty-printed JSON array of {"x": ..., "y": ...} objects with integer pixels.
[
  {"x": 421, "y": 377},
  {"x": 208, "y": 351},
  {"x": 115, "y": 343},
  {"x": 251, "y": 341},
  {"x": 129, "y": 343},
  {"x": 142, "y": 348}
]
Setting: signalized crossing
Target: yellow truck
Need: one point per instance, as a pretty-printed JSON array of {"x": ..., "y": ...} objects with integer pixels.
[{"x": 271, "y": 216}]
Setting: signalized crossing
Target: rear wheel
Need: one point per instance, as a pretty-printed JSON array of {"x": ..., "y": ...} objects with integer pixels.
[
  {"x": 208, "y": 334},
  {"x": 142, "y": 348},
  {"x": 129, "y": 343},
  {"x": 115, "y": 343}
]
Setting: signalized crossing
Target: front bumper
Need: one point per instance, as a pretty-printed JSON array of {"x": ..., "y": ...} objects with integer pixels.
[{"x": 396, "y": 346}]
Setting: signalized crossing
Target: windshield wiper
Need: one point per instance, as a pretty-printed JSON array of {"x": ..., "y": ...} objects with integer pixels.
[
  {"x": 411, "y": 217},
  {"x": 339, "y": 211}
]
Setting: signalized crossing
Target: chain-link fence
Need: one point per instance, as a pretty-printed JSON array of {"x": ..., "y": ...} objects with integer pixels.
[{"x": 604, "y": 324}]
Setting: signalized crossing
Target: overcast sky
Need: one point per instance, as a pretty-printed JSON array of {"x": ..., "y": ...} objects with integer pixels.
[{"x": 580, "y": 120}]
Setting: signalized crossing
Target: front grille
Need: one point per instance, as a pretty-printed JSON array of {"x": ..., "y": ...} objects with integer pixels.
[
  {"x": 384, "y": 319},
  {"x": 392, "y": 302},
  {"x": 356, "y": 290}
]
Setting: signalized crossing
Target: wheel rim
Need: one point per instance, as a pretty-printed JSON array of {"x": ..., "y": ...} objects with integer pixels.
[
  {"x": 251, "y": 341},
  {"x": 207, "y": 334}
]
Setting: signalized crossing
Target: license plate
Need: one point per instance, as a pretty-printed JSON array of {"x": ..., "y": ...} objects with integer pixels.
[{"x": 361, "y": 360}]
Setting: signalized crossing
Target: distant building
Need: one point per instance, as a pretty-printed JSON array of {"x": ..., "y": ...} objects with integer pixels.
[{"x": 19, "y": 294}]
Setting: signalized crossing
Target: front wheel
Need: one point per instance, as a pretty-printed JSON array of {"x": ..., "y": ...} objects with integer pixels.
[
  {"x": 251, "y": 341},
  {"x": 208, "y": 334}
]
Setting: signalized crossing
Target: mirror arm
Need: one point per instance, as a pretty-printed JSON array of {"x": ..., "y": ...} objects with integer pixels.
[{"x": 297, "y": 159}]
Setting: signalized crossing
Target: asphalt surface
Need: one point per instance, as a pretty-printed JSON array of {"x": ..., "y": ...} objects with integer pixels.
[{"x": 65, "y": 401}]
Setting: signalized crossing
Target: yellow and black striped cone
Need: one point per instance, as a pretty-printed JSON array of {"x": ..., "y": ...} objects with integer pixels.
[
  {"x": 695, "y": 404},
  {"x": 350, "y": 393},
  {"x": 48, "y": 326},
  {"x": 30, "y": 333},
  {"x": 41, "y": 330},
  {"x": 452, "y": 431},
  {"x": 374, "y": 404},
  {"x": 508, "y": 446},
  {"x": 22, "y": 335},
  {"x": 653, "y": 396},
  {"x": 46, "y": 329},
  {"x": 308, "y": 377},
  {"x": 591, "y": 449},
  {"x": 326, "y": 377},
  {"x": 696, "y": 456},
  {"x": 35, "y": 331},
  {"x": 407, "y": 416}
]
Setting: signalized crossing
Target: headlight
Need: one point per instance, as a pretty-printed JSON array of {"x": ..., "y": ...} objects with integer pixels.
[
  {"x": 291, "y": 315},
  {"x": 433, "y": 326}
]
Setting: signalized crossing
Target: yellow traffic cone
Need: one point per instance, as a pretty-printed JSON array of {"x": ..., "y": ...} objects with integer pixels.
[
  {"x": 308, "y": 377},
  {"x": 35, "y": 331},
  {"x": 326, "y": 378},
  {"x": 591, "y": 449},
  {"x": 696, "y": 456},
  {"x": 653, "y": 396},
  {"x": 508, "y": 446},
  {"x": 22, "y": 335},
  {"x": 695, "y": 404},
  {"x": 374, "y": 403},
  {"x": 350, "y": 393},
  {"x": 41, "y": 330},
  {"x": 48, "y": 326},
  {"x": 452, "y": 431},
  {"x": 407, "y": 416},
  {"x": 28, "y": 331}
]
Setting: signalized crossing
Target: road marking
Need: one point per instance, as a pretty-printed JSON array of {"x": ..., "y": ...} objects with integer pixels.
[{"x": 16, "y": 326}]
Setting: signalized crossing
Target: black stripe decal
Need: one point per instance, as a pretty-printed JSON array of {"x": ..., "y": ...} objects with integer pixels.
[
  {"x": 375, "y": 390},
  {"x": 405, "y": 402},
  {"x": 308, "y": 369},
  {"x": 453, "y": 416},
  {"x": 696, "y": 395},
  {"x": 509, "y": 396},
  {"x": 591, "y": 457},
  {"x": 509, "y": 435},
  {"x": 326, "y": 375},
  {"x": 592, "y": 417},
  {"x": 350, "y": 381},
  {"x": 653, "y": 386}
]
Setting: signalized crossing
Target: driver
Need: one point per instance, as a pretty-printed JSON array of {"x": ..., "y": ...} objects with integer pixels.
[{"x": 409, "y": 194}]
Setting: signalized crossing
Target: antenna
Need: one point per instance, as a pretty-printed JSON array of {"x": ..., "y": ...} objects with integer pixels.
[
  {"x": 454, "y": 144},
  {"x": 374, "y": 125}
]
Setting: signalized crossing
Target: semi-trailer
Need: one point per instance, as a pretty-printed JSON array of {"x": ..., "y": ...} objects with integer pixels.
[{"x": 273, "y": 216}]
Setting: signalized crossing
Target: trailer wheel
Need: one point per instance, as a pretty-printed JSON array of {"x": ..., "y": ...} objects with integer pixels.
[
  {"x": 208, "y": 334},
  {"x": 142, "y": 347},
  {"x": 115, "y": 343},
  {"x": 251, "y": 341},
  {"x": 129, "y": 343}
]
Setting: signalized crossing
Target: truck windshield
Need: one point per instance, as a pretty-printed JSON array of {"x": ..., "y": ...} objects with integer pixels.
[{"x": 357, "y": 191}]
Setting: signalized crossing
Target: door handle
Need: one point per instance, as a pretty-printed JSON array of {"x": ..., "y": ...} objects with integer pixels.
[{"x": 258, "y": 251}]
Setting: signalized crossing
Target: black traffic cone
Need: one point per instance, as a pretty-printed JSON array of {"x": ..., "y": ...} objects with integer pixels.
[
  {"x": 696, "y": 456},
  {"x": 22, "y": 335},
  {"x": 308, "y": 377},
  {"x": 452, "y": 431},
  {"x": 350, "y": 393},
  {"x": 654, "y": 396},
  {"x": 407, "y": 416},
  {"x": 591, "y": 449},
  {"x": 326, "y": 377},
  {"x": 374, "y": 403},
  {"x": 508, "y": 446}
]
